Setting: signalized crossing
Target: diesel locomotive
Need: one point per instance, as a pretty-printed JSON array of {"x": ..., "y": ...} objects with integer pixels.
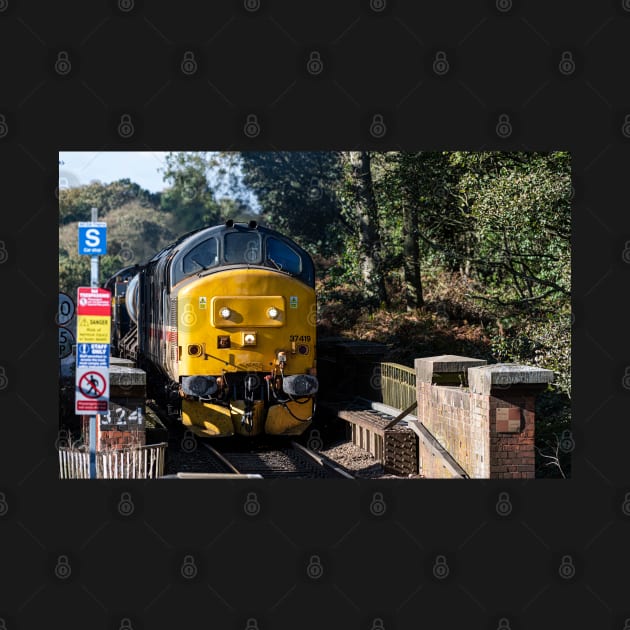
[{"x": 224, "y": 322}]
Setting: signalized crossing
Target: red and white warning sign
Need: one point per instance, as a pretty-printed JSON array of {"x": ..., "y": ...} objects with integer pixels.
[
  {"x": 94, "y": 301},
  {"x": 92, "y": 390}
]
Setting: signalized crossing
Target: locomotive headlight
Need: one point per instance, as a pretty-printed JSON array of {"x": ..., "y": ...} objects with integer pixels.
[
  {"x": 225, "y": 312},
  {"x": 272, "y": 312},
  {"x": 249, "y": 339}
]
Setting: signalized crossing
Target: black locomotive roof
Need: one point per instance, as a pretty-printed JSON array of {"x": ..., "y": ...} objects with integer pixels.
[{"x": 265, "y": 239}]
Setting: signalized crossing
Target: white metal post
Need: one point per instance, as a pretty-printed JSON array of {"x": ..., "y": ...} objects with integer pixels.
[{"x": 93, "y": 284}]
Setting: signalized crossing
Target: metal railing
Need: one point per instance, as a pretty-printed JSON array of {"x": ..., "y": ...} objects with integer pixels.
[
  {"x": 398, "y": 385},
  {"x": 139, "y": 462}
]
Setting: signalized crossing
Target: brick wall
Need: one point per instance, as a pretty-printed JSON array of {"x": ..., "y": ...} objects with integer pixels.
[
  {"x": 110, "y": 435},
  {"x": 512, "y": 454},
  {"x": 114, "y": 440},
  {"x": 488, "y": 428},
  {"x": 446, "y": 412}
]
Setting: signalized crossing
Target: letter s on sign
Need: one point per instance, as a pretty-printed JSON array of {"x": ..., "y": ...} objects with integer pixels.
[{"x": 92, "y": 237}]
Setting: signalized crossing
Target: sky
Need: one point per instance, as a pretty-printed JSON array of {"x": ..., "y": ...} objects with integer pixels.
[{"x": 141, "y": 167}]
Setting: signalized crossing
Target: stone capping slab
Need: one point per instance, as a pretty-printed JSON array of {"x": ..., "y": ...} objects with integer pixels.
[
  {"x": 501, "y": 376},
  {"x": 427, "y": 367},
  {"x": 126, "y": 376},
  {"x": 120, "y": 362}
]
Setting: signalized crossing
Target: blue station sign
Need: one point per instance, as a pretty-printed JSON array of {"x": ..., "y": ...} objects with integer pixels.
[{"x": 92, "y": 238}]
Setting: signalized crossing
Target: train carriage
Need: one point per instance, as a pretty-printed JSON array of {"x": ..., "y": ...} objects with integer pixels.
[{"x": 225, "y": 323}]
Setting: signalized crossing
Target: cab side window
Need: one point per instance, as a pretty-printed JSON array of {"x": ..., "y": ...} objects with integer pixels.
[
  {"x": 201, "y": 257},
  {"x": 283, "y": 257}
]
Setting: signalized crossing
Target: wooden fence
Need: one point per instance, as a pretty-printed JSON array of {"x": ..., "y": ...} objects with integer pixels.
[{"x": 140, "y": 462}]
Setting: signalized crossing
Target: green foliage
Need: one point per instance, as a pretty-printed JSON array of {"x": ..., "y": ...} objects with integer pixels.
[
  {"x": 75, "y": 204},
  {"x": 297, "y": 195},
  {"x": 189, "y": 199},
  {"x": 134, "y": 234},
  {"x": 521, "y": 214}
]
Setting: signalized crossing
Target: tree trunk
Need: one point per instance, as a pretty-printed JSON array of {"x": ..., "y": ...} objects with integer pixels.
[
  {"x": 370, "y": 260},
  {"x": 411, "y": 252}
]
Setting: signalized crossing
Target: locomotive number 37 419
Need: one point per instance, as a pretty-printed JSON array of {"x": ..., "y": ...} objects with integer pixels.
[{"x": 299, "y": 337}]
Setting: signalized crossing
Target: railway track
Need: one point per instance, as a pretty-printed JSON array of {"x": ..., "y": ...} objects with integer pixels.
[
  {"x": 276, "y": 458},
  {"x": 292, "y": 461}
]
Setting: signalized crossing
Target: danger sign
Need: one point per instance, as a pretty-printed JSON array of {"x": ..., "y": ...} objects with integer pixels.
[
  {"x": 93, "y": 329},
  {"x": 92, "y": 390}
]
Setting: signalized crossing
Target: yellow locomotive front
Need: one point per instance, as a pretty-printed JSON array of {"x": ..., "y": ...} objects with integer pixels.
[{"x": 243, "y": 348}]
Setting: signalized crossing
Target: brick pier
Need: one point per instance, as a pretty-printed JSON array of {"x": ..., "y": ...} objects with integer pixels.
[{"x": 481, "y": 415}]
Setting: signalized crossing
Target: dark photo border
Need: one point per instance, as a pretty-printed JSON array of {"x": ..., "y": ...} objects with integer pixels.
[{"x": 512, "y": 76}]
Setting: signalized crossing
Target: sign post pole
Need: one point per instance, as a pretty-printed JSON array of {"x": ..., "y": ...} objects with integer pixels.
[{"x": 93, "y": 284}]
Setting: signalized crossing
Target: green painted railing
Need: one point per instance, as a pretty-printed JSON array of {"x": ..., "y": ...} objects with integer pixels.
[{"x": 398, "y": 385}]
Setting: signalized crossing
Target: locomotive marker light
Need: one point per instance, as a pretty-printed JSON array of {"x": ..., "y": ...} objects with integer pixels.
[
  {"x": 272, "y": 312},
  {"x": 249, "y": 339},
  {"x": 225, "y": 312}
]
